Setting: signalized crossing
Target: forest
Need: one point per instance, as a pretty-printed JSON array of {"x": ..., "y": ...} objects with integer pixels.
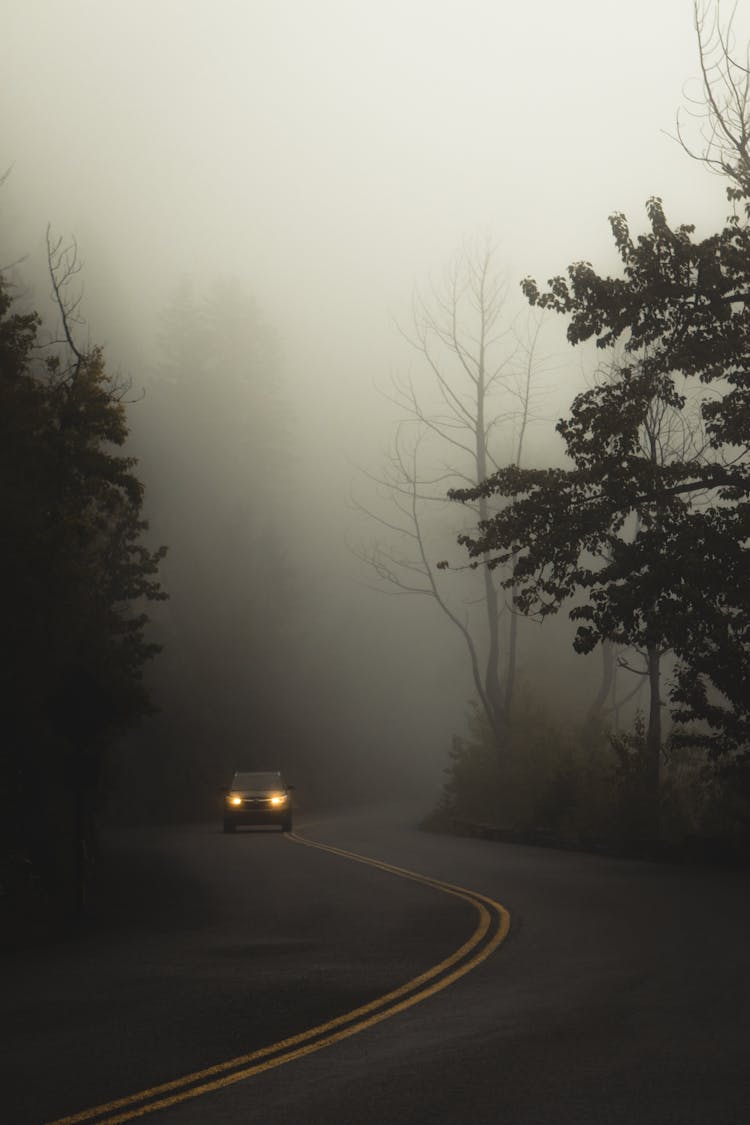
[{"x": 576, "y": 566}]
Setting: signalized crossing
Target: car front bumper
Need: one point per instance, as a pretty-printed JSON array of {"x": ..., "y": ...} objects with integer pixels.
[{"x": 260, "y": 813}]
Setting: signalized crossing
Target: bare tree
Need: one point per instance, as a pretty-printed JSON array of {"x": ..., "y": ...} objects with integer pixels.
[
  {"x": 723, "y": 106},
  {"x": 469, "y": 414}
]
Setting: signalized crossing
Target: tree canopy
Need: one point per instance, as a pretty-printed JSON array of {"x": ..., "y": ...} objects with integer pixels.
[
  {"x": 73, "y": 565},
  {"x": 650, "y": 542}
]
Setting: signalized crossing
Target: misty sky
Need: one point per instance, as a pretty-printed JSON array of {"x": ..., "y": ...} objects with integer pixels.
[
  {"x": 331, "y": 154},
  {"x": 337, "y": 151}
]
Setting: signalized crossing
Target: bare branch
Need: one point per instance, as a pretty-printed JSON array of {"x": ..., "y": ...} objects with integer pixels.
[
  {"x": 723, "y": 107},
  {"x": 64, "y": 265},
  {"x": 479, "y": 379}
]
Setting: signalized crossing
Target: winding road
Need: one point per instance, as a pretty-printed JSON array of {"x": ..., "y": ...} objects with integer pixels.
[{"x": 362, "y": 972}]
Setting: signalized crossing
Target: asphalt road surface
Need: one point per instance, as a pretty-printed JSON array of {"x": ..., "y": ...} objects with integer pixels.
[{"x": 256, "y": 978}]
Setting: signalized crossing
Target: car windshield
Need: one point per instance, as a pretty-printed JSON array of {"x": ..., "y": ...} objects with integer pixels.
[{"x": 257, "y": 781}]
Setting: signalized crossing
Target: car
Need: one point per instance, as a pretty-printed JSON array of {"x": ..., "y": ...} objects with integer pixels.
[{"x": 258, "y": 798}]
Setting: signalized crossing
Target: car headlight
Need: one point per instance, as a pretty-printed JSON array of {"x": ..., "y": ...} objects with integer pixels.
[
  {"x": 278, "y": 799},
  {"x": 233, "y": 799}
]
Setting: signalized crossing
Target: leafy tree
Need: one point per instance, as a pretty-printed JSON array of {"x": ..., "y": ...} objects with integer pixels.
[
  {"x": 645, "y": 538},
  {"x": 600, "y": 534},
  {"x": 73, "y": 564},
  {"x": 679, "y": 312}
]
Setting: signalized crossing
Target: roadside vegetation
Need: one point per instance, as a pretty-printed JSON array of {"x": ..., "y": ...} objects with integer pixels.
[
  {"x": 77, "y": 578},
  {"x": 641, "y": 537},
  {"x": 560, "y": 787}
]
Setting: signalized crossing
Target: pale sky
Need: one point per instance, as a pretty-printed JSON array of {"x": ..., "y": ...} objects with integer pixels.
[
  {"x": 334, "y": 153},
  {"x": 343, "y": 145}
]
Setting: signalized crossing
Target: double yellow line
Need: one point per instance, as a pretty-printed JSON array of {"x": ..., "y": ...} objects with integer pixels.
[{"x": 493, "y": 925}]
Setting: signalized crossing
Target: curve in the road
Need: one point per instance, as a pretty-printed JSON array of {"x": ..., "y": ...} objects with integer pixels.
[{"x": 493, "y": 925}]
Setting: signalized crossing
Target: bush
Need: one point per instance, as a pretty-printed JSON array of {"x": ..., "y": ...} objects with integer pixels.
[
  {"x": 578, "y": 785},
  {"x": 549, "y": 779}
]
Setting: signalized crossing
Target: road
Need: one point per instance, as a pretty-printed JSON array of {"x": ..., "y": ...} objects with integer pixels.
[{"x": 220, "y": 973}]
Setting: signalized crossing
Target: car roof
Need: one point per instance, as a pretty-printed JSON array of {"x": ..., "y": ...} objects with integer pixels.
[{"x": 258, "y": 777}]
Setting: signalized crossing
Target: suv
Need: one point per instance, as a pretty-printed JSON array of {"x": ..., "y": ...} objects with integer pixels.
[{"x": 258, "y": 798}]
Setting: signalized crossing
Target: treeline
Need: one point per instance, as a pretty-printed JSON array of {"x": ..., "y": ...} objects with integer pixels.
[
  {"x": 248, "y": 677},
  {"x": 643, "y": 535},
  {"x": 76, "y": 576},
  {"x": 213, "y": 438},
  {"x": 246, "y": 671}
]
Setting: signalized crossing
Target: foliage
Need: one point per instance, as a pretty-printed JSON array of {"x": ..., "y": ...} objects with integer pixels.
[
  {"x": 547, "y": 782},
  {"x": 645, "y": 534},
  {"x": 72, "y": 564},
  {"x": 678, "y": 580},
  {"x": 556, "y": 786}
]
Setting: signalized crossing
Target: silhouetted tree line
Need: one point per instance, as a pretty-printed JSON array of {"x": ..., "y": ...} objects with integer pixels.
[
  {"x": 76, "y": 577},
  {"x": 644, "y": 535},
  {"x": 214, "y": 440}
]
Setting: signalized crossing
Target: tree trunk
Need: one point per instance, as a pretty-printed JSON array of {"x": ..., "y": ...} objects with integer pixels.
[
  {"x": 603, "y": 691},
  {"x": 510, "y": 677},
  {"x": 492, "y": 685},
  {"x": 652, "y": 764}
]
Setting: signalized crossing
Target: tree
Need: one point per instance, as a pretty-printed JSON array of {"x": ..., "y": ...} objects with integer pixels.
[
  {"x": 666, "y": 435},
  {"x": 474, "y": 411},
  {"x": 73, "y": 564},
  {"x": 599, "y": 534},
  {"x": 680, "y": 581},
  {"x": 723, "y": 105}
]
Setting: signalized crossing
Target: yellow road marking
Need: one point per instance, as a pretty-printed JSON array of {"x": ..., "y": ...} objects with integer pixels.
[{"x": 463, "y": 960}]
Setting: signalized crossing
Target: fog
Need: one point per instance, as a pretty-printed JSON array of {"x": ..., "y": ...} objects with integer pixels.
[{"x": 320, "y": 161}]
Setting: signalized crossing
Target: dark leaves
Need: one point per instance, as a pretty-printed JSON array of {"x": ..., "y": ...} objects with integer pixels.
[{"x": 646, "y": 535}]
